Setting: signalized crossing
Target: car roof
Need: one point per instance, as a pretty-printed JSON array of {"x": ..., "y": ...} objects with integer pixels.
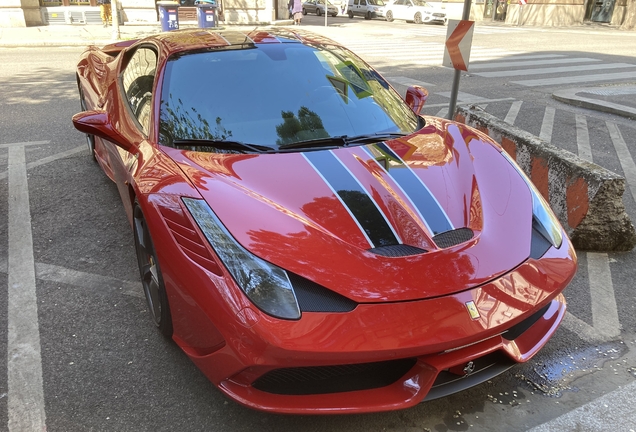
[{"x": 195, "y": 39}]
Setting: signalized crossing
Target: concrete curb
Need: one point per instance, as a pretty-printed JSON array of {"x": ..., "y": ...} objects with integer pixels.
[
  {"x": 570, "y": 96},
  {"x": 587, "y": 198}
]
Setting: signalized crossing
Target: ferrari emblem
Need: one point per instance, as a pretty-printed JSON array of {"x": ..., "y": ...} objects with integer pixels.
[
  {"x": 472, "y": 309},
  {"x": 470, "y": 368}
]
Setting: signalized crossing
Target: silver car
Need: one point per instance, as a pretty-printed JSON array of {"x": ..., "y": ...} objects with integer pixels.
[{"x": 318, "y": 7}]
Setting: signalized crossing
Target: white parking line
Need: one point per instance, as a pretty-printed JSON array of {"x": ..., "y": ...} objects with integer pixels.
[
  {"x": 624, "y": 157},
  {"x": 604, "y": 310},
  {"x": 583, "y": 138},
  {"x": 25, "y": 399},
  {"x": 513, "y": 112},
  {"x": 48, "y": 159},
  {"x": 548, "y": 124}
]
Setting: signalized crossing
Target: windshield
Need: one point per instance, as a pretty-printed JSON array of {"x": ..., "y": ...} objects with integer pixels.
[
  {"x": 420, "y": 3},
  {"x": 277, "y": 94},
  {"x": 375, "y": 2}
]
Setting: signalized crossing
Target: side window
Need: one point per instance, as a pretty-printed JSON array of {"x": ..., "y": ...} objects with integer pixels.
[
  {"x": 137, "y": 79},
  {"x": 356, "y": 2}
]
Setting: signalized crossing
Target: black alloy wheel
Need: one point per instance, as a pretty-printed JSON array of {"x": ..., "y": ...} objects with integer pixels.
[
  {"x": 90, "y": 139},
  {"x": 150, "y": 273},
  {"x": 389, "y": 16},
  {"x": 418, "y": 18}
]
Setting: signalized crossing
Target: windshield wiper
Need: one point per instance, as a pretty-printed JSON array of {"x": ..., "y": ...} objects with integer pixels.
[
  {"x": 222, "y": 145},
  {"x": 342, "y": 140}
]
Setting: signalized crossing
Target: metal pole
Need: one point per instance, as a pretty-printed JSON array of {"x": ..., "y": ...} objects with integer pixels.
[
  {"x": 326, "y": 11},
  {"x": 115, "y": 13},
  {"x": 457, "y": 76}
]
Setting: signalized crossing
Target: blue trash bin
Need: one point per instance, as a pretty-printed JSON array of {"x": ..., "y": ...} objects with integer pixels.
[
  {"x": 168, "y": 15},
  {"x": 206, "y": 13}
]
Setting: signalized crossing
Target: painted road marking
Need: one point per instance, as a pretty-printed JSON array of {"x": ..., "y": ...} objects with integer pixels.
[
  {"x": 25, "y": 399},
  {"x": 604, "y": 310},
  {"x": 553, "y": 70},
  {"x": 606, "y": 325},
  {"x": 611, "y": 412},
  {"x": 513, "y": 112},
  {"x": 504, "y": 64},
  {"x": 583, "y": 138},
  {"x": 624, "y": 157},
  {"x": 406, "y": 81},
  {"x": 577, "y": 79},
  {"x": 48, "y": 159},
  {"x": 548, "y": 124}
]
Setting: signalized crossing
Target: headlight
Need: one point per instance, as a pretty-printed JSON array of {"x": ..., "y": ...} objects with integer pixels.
[
  {"x": 543, "y": 218},
  {"x": 266, "y": 285}
]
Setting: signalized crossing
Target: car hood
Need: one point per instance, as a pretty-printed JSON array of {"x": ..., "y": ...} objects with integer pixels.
[{"x": 437, "y": 212}]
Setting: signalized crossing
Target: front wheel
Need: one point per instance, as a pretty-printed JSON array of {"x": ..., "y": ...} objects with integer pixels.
[
  {"x": 304, "y": 12},
  {"x": 389, "y": 16},
  {"x": 151, "y": 278},
  {"x": 418, "y": 18},
  {"x": 350, "y": 15},
  {"x": 367, "y": 16},
  {"x": 318, "y": 12}
]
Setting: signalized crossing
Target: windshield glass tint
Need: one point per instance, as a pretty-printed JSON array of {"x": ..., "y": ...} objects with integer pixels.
[{"x": 277, "y": 94}]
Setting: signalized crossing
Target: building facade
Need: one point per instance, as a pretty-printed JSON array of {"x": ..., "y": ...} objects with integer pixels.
[{"x": 22, "y": 13}]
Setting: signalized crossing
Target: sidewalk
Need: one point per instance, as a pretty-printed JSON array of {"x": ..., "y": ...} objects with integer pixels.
[{"x": 614, "y": 99}]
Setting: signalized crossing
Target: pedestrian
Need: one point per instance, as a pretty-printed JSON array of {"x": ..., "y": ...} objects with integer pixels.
[
  {"x": 290, "y": 8},
  {"x": 105, "y": 12},
  {"x": 297, "y": 10}
]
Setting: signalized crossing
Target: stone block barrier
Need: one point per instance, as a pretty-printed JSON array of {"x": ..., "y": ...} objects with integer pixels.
[{"x": 587, "y": 198}]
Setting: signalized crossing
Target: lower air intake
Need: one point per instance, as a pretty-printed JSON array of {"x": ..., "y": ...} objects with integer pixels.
[
  {"x": 333, "y": 379},
  {"x": 454, "y": 237}
]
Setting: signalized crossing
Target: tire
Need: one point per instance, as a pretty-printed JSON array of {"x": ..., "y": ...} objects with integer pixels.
[
  {"x": 350, "y": 13},
  {"x": 417, "y": 18},
  {"x": 90, "y": 139},
  {"x": 318, "y": 12},
  {"x": 389, "y": 16},
  {"x": 304, "y": 12},
  {"x": 150, "y": 273},
  {"x": 334, "y": 15},
  {"x": 367, "y": 16}
]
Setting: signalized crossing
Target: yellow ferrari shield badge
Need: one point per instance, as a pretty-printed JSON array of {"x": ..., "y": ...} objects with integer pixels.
[{"x": 472, "y": 309}]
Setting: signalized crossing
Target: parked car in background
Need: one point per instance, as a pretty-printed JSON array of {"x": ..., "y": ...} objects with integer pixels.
[
  {"x": 318, "y": 7},
  {"x": 418, "y": 11},
  {"x": 366, "y": 8}
]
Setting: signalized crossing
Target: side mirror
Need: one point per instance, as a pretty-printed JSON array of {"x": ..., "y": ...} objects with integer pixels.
[
  {"x": 416, "y": 97},
  {"x": 98, "y": 123}
]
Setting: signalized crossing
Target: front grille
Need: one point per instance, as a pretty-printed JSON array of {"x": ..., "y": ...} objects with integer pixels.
[
  {"x": 454, "y": 237},
  {"x": 439, "y": 15},
  {"x": 333, "y": 379},
  {"x": 517, "y": 330},
  {"x": 483, "y": 369},
  {"x": 316, "y": 298},
  {"x": 395, "y": 251}
]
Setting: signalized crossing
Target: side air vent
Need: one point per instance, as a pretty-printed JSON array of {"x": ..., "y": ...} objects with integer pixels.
[
  {"x": 188, "y": 239},
  {"x": 454, "y": 237},
  {"x": 395, "y": 251},
  {"x": 315, "y": 298}
]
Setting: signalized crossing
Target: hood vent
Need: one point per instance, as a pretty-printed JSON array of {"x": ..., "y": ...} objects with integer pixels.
[
  {"x": 452, "y": 238},
  {"x": 396, "y": 251},
  {"x": 316, "y": 298}
]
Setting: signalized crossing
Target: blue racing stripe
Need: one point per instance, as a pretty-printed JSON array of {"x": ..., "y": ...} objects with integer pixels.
[
  {"x": 421, "y": 197},
  {"x": 354, "y": 197}
]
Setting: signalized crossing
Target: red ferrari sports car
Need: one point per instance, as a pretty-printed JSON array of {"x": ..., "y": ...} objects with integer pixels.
[{"x": 309, "y": 240}]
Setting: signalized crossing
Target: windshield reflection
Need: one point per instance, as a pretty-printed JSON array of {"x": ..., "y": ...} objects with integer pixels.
[{"x": 242, "y": 94}]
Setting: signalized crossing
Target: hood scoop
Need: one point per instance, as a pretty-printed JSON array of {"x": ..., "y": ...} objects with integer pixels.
[{"x": 453, "y": 237}]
